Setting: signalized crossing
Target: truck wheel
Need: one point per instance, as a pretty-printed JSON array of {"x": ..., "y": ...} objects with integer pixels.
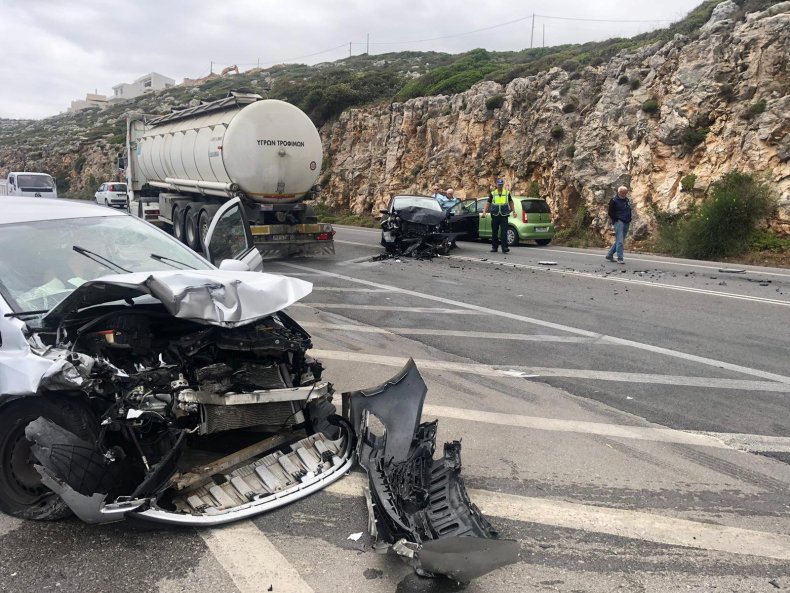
[
  {"x": 22, "y": 494},
  {"x": 192, "y": 232},
  {"x": 204, "y": 221},
  {"x": 178, "y": 224}
]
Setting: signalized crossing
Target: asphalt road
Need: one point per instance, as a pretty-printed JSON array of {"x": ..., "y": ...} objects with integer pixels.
[{"x": 628, "y": 425}]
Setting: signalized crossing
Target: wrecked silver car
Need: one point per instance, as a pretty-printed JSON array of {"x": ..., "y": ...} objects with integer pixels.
[{"x": 138, "y": 380}]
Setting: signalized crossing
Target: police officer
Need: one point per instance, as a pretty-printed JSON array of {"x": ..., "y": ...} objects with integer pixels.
[{"x": 500, "y": 202}]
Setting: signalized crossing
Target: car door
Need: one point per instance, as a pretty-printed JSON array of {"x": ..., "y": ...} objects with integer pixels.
[
  {"x": 465, "y": 220},
  {"x": 229, "y": 238},
  {"x": 485, "y": 223},
  {"x": 99, "y": 193}
]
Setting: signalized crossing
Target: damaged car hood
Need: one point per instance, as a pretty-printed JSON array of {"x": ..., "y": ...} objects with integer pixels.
[{"x": 213, "y": 297}]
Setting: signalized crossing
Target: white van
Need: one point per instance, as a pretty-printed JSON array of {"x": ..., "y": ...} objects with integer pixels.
[{"x": 28, "y": 184}]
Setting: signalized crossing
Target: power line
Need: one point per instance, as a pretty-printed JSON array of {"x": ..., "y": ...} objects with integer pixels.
[{"x": 518, "y": 20}]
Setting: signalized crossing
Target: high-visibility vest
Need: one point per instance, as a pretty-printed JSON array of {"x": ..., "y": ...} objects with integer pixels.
[{"x": 498, "y": 200}]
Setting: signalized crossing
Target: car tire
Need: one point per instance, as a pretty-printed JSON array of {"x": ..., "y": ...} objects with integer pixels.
[
  {"x": 178, "y": 224},
  {"x": 204, "y": 221},
  {"x": 22, "y": 494},
  {"x": 192, "y": 232},
  {"x": 512, "y": 236},
  {"x": 542, "y": 241}
]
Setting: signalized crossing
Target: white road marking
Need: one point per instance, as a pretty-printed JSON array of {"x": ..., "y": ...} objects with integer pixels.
[
  {"x": 640, "y": 433},
  {"x": 8, "y": 523},
  {"x": 598, "y": 255},
  {"x": 636, "y": 525},
  {"x": 437, "y": 310},
  {"x": 408, "y": 331},
  {"x": 492, "y": 371},
  {"x": 358, "y": 244},
  {"x": 615, "y": 278},
  {"x": 557, "y": 326},
  {"x": 754, "y": 443},
  {"x": 351, "y": 289},
  {"x": 356, "y": 260},
  {"x": 251, "y": 560}
]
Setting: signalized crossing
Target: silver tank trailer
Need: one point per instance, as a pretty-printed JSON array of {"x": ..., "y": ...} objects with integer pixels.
[{"x": 267, "y": 149}]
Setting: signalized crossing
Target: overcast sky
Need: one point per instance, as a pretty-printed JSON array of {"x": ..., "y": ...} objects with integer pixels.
[{"x": 55, "y": 51}]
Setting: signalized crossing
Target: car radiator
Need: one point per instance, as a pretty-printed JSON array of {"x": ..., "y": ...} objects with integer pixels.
[{"x": 272, "y": 414}]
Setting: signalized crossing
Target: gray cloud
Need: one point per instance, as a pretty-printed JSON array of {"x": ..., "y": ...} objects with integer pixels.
[{"x": 55, "y": 52}]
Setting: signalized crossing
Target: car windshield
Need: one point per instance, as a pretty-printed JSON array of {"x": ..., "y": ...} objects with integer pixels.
[
  {"x": 35, "y": 181},
  {"x": 535, "y": 206},
  {"x": 118, "y": 187},
  {"x": 399, "y": 202},
  {"x": 59, "y": 255}
]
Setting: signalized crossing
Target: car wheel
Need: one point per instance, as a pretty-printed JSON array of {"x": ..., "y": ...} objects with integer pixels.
[
  {"x": 542, "y": 241},
  {"x": 178, "y": 224},
  {"x": 204, "y": 221},
  {"x": 512, "y": 236},
  {"x": 22, "y": 494},
  {"x": 191, "y": 230}
]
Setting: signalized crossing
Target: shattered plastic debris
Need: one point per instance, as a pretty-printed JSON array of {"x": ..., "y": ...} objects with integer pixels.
[
  {"x": 547, "y": 263},
  {"x": 418, "y": 506},
  {"x": 731, "y": 271},
  {"x": 355, "y": 536}
]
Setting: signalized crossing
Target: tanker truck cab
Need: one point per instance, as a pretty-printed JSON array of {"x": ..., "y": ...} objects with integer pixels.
[
  {"x": 181, "y": 168},
  {"x": 29, "y": 185}
]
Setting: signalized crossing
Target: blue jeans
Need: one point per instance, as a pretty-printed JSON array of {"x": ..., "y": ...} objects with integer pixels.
[{"x": 620, "y": 231}]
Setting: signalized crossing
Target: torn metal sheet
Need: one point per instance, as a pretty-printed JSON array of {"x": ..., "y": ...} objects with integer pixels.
[
  {"x": 212, "y": 297},
  {"x": 419, "y": 506}
]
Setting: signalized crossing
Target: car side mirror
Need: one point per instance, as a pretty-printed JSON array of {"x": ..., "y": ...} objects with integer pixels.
[
  {"x": 233, "y": 265},
  {"x": 122, "y": 163}
]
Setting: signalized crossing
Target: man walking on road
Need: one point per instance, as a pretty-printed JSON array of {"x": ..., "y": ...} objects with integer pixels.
[
  {"x": 620, "y": 215},
  {"x": 500, "y": 202}
]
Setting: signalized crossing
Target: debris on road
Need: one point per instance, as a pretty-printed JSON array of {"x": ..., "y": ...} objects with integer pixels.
[
  {"x": 547, "y": 263},
  {"x": 355, "y": 536},
  {"x": 731, "y": 271}
]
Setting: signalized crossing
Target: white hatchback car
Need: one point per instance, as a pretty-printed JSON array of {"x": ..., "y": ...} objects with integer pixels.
[{"x": 113, "y": 194}]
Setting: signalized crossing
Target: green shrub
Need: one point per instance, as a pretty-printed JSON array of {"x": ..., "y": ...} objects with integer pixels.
[
  {"x": 623, "y": 79},
  {"x": 635, "y": 83},
  {"x": 650, "y": 106},
  {"x": 569, "y": 108},
  {"x": 578, "y": 233},
  {"x": 687, "y": 183},
  {"x": 340, "y": 216},
  {"x": 533, "y": 191},
  {"x": 757, "y": 108},
  {"x": 725, "y": 223},
  {"x": 575, "y": 75},
  {"x": 570, "y": 151},
  {"x": 62, "y": 182},
  {"x": 763, "y": 240},
  {"x": 694, "y": 136},
  {"x": 557, "y": 132},
  {"x": 495, "y": 101},
  {"x": 80, "y": 163}
]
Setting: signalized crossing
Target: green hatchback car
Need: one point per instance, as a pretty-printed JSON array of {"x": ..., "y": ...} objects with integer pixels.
[{"x": 531, "y": 223}]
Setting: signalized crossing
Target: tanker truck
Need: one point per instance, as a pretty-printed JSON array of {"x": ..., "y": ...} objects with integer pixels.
[{"x": 181, "y": 167}]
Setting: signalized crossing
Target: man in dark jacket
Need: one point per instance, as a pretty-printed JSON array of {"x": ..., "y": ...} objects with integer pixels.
[{"x": 620, "y": 215}]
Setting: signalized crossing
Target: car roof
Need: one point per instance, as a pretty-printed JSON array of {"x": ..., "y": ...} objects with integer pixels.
[{"x": 17, "y": 209}]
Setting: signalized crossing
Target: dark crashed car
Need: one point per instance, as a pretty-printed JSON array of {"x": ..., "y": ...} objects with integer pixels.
[
  {"x": 139, "y": 380},
  {"x": 418, "y": 226}
]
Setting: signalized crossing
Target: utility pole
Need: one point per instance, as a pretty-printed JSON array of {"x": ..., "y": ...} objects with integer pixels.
[
  {"x": 349, "y": 49},
  {"x": 544, "y": 34},
  {"x": 532, "y": 34},
  {"x": 211, "y": 68},
  {"x": 367, "y": 47}
]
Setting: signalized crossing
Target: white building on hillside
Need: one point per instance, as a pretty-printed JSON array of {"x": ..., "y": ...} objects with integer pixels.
[
  {"x": 144, "y": 84},
  {"x": 91, "y": 100}
]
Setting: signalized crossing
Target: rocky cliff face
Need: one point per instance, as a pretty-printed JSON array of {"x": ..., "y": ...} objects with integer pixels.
[{"x": 671, "y": 116}]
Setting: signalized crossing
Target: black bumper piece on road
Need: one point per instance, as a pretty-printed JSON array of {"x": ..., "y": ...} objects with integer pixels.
[{"x": 419, "y": 505}]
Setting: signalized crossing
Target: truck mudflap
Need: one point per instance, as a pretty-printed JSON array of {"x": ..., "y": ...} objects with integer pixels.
[
  {"x": 293, "y": 240},
  {"x": 418, "y": 506}
]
